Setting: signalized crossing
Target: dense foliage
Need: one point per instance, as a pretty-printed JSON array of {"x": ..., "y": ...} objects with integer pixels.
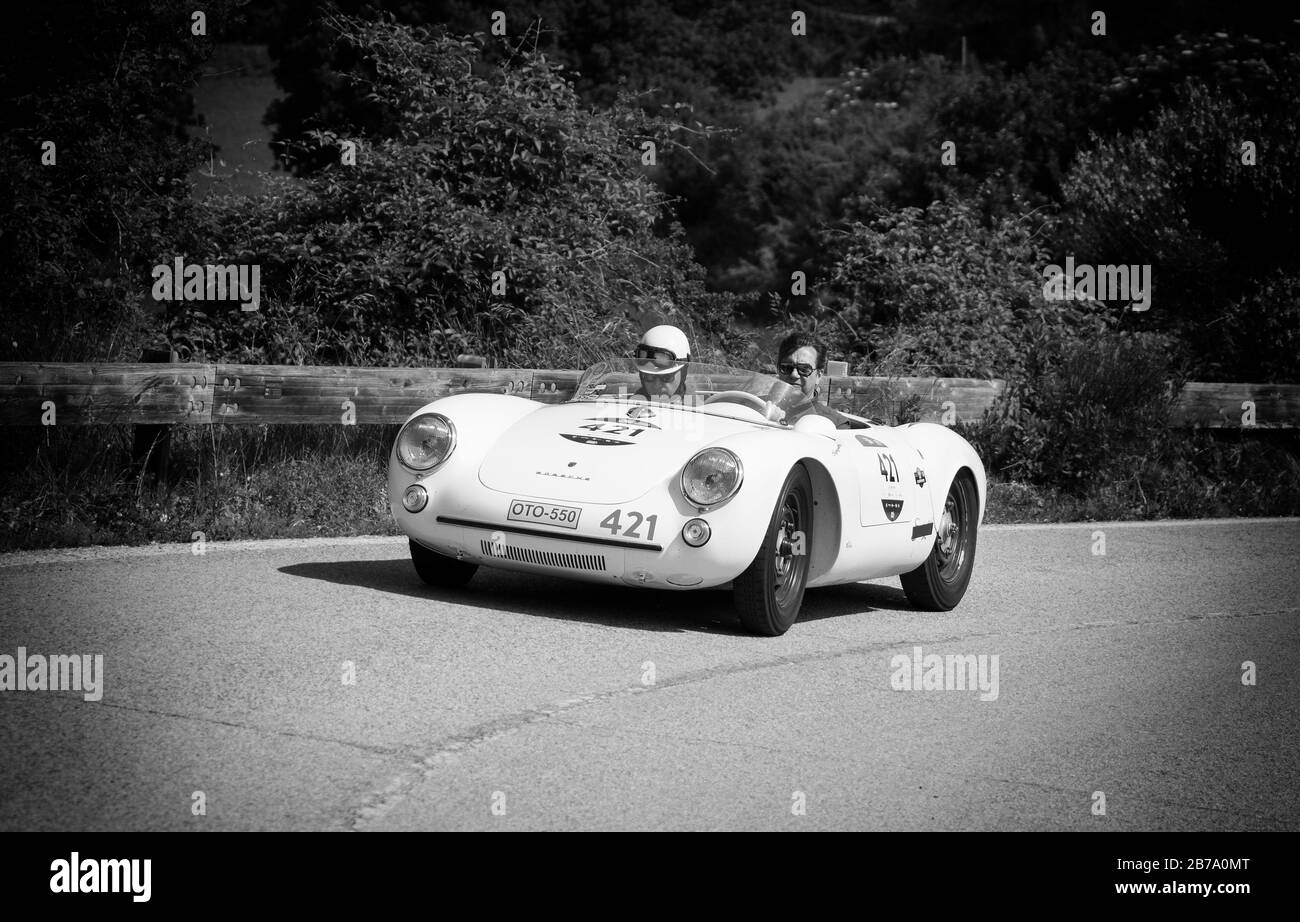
[
  {"x": 494, "y": 215},
  {"x": 707, "y": 53},
  {"x": 1218, "y": 231},
  {"x": 521, "y": 154},
  {"x": 108, "y": 84}
]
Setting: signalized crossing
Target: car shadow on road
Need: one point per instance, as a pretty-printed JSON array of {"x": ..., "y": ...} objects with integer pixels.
[{"x": 704, "y": 611}]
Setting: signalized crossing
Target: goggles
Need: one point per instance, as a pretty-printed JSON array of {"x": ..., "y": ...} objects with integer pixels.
[{"x": 654, "y": 358}]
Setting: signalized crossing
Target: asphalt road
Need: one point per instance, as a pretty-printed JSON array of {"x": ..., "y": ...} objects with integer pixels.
[{"x": 523, "y": 702}]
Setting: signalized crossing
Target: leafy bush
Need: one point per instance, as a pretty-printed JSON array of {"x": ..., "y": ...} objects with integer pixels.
[
  {"x": 1090, "y": 412},
  {"x": 1257, "y": 70},
  {"x": 936, "y": 291},
  {"x": 1022, "y": 128},
  {"x": 1218, "y": 233},
  {"x": 1097, "y": 406},
  {"x": 108, "y": 84},
  {"x": 718, "y": 57},
  {"x": 393, "y": 260},
  {"x": 1261, "y": 330}
]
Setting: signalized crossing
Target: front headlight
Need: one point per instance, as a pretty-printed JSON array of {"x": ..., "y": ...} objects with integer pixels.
[
  {"x": 425, "y": 442},
  {"x": 713, "y": 475}
]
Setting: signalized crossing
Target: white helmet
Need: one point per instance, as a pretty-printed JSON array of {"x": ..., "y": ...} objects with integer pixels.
[{"x": 662, "y": 350}]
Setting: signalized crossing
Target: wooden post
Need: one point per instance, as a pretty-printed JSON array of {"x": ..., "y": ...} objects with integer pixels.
[{"x": 151, "y": 452}]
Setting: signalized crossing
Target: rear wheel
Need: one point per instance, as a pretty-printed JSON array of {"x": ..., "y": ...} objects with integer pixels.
[
  {"x": 770, "y": 591},
  {"x": 940, "y": 582},
  {"x": 439, "y": 569}
]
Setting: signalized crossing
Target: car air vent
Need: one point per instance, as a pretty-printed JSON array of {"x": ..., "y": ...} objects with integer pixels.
[{"x": 544, "y": 558}]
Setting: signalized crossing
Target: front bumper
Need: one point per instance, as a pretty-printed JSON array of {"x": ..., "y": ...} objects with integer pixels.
[{"x": 470, "y": 524}]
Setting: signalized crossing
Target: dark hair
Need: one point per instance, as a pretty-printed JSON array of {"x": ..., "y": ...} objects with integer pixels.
[{"x": 796, "y": 341}]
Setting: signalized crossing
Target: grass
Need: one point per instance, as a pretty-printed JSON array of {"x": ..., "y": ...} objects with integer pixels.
[
  {"x": 72, "y": 487},
  {"x": 1200, "y": 475}
]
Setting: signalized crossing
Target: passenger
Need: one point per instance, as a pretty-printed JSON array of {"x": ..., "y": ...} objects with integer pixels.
[{"x": 802, "y": 362}]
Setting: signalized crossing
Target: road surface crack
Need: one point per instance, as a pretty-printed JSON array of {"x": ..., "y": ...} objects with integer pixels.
[{"x": 446, "y": 750}]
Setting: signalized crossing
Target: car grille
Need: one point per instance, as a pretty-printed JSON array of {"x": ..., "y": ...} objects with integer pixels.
[{"x": 544, "y": 558}]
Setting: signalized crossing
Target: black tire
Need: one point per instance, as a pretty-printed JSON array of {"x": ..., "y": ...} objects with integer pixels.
[
  {"x": 770, "y": 591},
  {"x": 940, "y": 582},
  {"x": 439, "y": 569}
]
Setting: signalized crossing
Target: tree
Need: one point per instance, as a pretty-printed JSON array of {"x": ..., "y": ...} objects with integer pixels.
[
  {"x": 1214, "y": 219},
  {"x": 938, "y": 291},
  {"x": 82, "y": 222},
  {"x": 494, "y": 214}
]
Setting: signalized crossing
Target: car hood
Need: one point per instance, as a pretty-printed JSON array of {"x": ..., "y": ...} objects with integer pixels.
[{"x": 599, "y": 452}]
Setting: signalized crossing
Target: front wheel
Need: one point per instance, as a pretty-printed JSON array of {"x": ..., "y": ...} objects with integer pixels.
[
  {"x": 770, "y": 591},
  {"x": 439, "y": 569},
  {"x": 940, "y": 582}
]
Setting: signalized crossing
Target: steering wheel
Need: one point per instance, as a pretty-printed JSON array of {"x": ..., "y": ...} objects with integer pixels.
[
  {"x": 743, "y": 404},
  {"x": 744, "y": 398}
]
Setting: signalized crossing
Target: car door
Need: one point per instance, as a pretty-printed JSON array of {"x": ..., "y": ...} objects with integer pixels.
[{"x": 893, "y": 508}]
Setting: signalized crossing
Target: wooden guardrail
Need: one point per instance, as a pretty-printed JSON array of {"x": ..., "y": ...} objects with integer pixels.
[
  {"x": 201, "y": 394},
  {"x": 198, "y": 394},
  {"x": 1202, "y": 405}
]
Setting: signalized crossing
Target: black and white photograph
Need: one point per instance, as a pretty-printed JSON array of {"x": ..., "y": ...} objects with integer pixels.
[{"x": 869, "y": 416}]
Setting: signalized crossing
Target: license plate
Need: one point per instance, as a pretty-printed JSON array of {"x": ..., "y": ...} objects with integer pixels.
[{"x": 522, "y": 510}]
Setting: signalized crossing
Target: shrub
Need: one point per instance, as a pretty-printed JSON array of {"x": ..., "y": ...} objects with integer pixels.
[
  {"x": 1177, "y": 196},
  {"x": 1260, "y": 330},
  {"x": 108, "y": 83},
  {"x": 936, "y": 291},
  {"x": 392, "y": 261},
  {"x": 1088, "y": 410}
]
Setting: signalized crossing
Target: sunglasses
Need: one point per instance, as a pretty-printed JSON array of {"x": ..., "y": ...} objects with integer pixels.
[
  {"x": 660, "y": 358},
  {"x": 788, "y": 368}
]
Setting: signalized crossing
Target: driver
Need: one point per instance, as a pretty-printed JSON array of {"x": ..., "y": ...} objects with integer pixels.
[
  {"x": 802, "y": 362},
  {"x": 661, "y": 359}
]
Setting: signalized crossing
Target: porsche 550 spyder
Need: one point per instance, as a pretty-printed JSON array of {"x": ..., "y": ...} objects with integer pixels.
[{"x": 733, "y": 483}]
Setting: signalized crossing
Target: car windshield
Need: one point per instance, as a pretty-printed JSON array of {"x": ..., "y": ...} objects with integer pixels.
[{"x": 717, "y": 390}]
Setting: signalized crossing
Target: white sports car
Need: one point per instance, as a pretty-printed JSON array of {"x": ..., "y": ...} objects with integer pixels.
[{"x": 713, "y": 488}]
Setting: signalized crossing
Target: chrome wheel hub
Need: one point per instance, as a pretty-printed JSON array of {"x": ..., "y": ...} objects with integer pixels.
[
  {"x": 784, "y": 550},
  {"x": 786, "y": 547},
  {"x": 948, "y": 532}
]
